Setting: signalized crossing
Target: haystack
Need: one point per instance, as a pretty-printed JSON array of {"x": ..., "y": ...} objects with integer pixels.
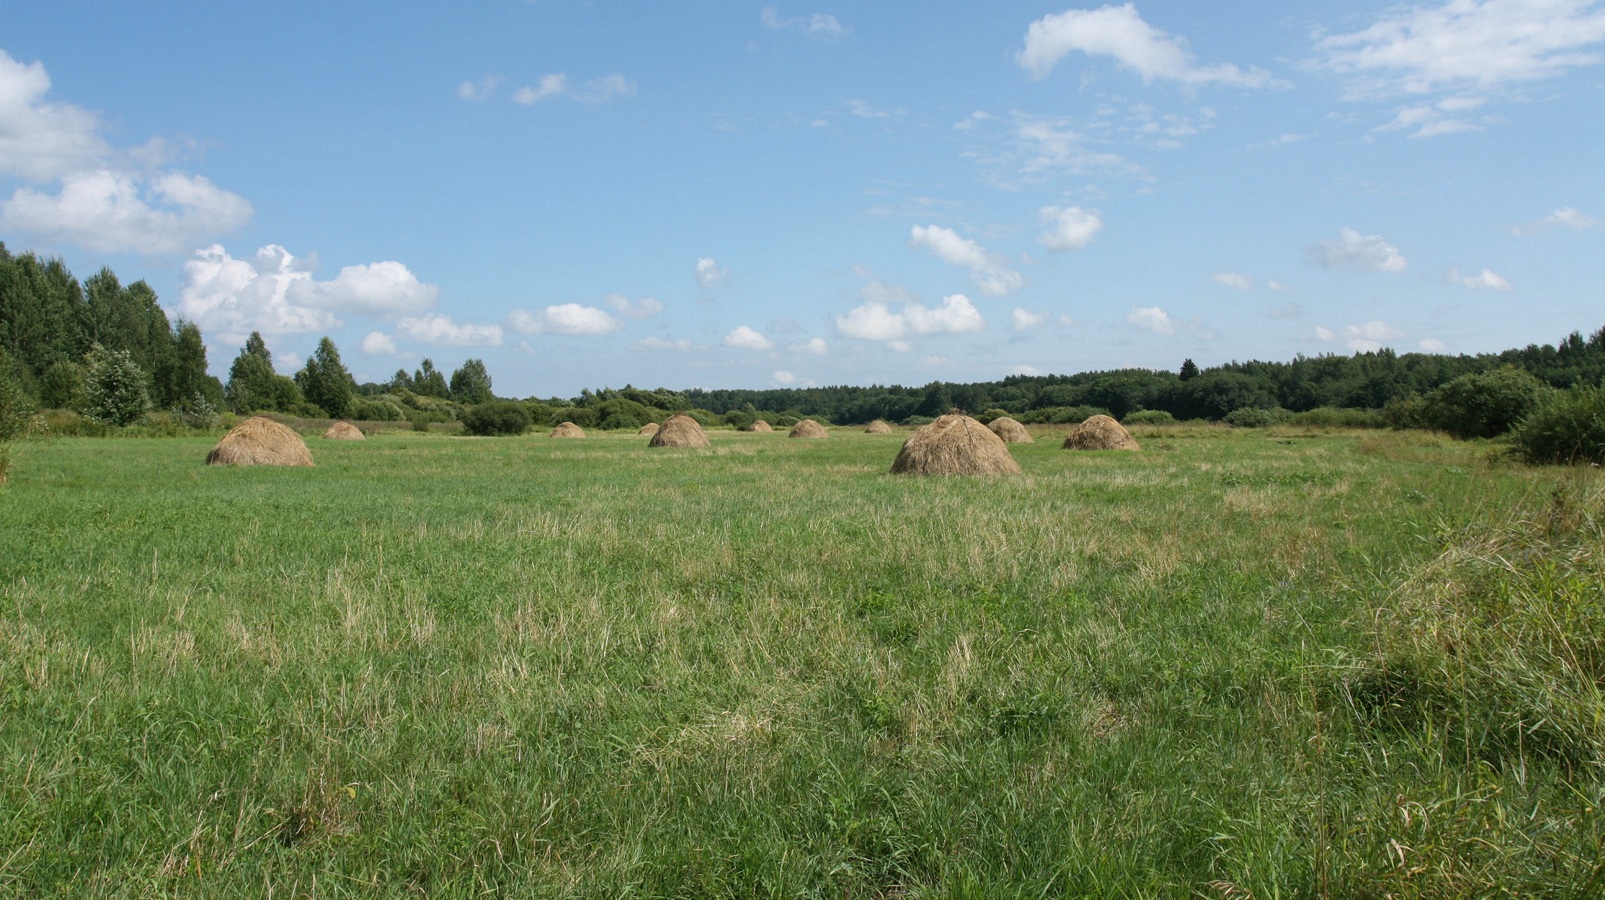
[
  {"x": 808, "y": 428},
  {"x": 1011, "y": 431},
  {"x": 679, "y": 431},
  {"x": 260, "y": 441},
  {"x": 878, "y": 427},
  {"x": 649, "y": 428},
  {"x": 955, "y": 444},
  {"x": 759, "y": 426},
  {"x": 344, "y": 431},
  {"x": 1100, "y": 433},
  {"x": 568, "y": 430}
]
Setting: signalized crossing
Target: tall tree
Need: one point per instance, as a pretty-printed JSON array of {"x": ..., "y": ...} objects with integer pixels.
[
  {"x": 325, "y": 382},
  {"x": 470, "y": 384},
  {"x": 428, "y": 382},
  {"x": 251, "y": 380}
]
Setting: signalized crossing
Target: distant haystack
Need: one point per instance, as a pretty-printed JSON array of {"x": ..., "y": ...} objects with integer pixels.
[
  {"x": 1011, "y": 431},
  {"x": 568, "y": 430},
  {"x": 955, "y": 444},
  {"x": 808, "y": 428},
  {"x": 878, "y": 427},
  {"x": 1100, "y": 433},
  {"x": 344, "y": 431},
  {"x": 649, "y": 428},
  {"x": 679, "y": 431},
  {"x": 759, "y": 426},
  {"x": 260, "y": 441}
]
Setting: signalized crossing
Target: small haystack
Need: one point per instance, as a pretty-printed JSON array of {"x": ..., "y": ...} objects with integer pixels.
[
  {"x": 759, "y": 426},
  {"x": 260, "y": 441},
  {"x": 679, "y": 431},
  {"x": 344, "y": 431},
  {"x": 568, "y": 430},
  {"x": 955, "y": 444},
  {"x": 808, "y": 428},
  {"x": 878, "y": 427},
  {"x": 649, "y": 428},
  {"x": 1100, "y": 433},
  {"x": 1011, "y": 431}
]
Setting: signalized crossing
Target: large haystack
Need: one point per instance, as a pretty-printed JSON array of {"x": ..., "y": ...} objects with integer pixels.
[
  {"x": 1100, "y": 433},
  {"x": 759, "y": 426},
  {"x": 955, "y": 444},
  {"x": 344, "y": 431},
  {"x": 260, "y": 441},
  {"x": 808, "y": 428},
  {"x": 878, "y": 427},
  {"x": 1011, "y": 431},
  {"x": 649, "y": 428},
  {"x": 679, "y": 431},
  {"x": 568, "y": 430}
]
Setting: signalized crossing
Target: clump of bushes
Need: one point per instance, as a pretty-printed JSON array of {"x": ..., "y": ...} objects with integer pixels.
[
  {"x": 1256, "y": 417},
  {"x": 498, "y": 417},
  {"x": 1567, "y": 427},
  {"x": 1478, "y": 405},
  {"x": 1337, "y": 417},
  {"x": 1150, "y": 417}
]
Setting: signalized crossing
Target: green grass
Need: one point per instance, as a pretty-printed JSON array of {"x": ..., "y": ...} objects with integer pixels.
[{"x": 453, "y": 666}]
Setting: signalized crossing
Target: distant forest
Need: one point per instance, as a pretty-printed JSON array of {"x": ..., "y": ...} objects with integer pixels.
[{"x": 50, "y": 322}]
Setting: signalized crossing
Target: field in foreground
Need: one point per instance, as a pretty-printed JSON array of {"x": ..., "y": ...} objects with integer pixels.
[{"x": 1236, "y": 664}]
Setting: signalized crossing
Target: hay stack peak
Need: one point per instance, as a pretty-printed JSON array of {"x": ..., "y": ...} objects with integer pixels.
[
  {"x": 679, "y": 431},
  {"x": 878, "y": 427},
  {"x": 344, "y": 431},
  {"x": 759, "y": 426},
  {"x": 568, "y": 430},
  {"x": 808, "y": 428},
  {"x": 1100, "y": 433},
  {"x": 1011, "y": 431},
  {"x": 954, "y": 444},
  {"x": 649, "y": 428},
  {"x": 260, "y": 441}
]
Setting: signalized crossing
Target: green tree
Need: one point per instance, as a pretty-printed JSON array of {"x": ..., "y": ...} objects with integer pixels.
[
  {"x": 184, "y": 377},
  {"x": 1484, "y": 404},
  {"x": 470, "y": 384},
  {"x": 116, "y": 389},
  {"x": 325, "y": 382},
  {"x": 252, "y": 385},
  {"x": 428, "y": 382},
  {"x": 1189, "y": 370}
]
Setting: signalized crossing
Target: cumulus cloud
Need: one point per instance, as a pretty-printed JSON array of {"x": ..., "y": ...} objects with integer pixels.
[
  {"x": 644, "y": 308},
  {"x": 1070, "y": 227},
  {"x": 784, "y": 378},
  {"x": 568, "y": 319},
  {"x": 812, "y": 346},
  {"x": 1370, "y": 337},
  {"x": 1234, "y": 280},
  {"x": 1120, "y": 33},
  {"x": 1028, "y": 371},
  {"x": 1481, "y": 44},
  {"x": 380, "y": 289},
  {"x": 1152, "y": 318},
  {"x": 377, "y": 343},
  {"x": 436, "y": 328},
  {"x": 1025, "y": 321},
  {"x": 43, "y": 141},
  {"x": 745, "y": 338},
  {"x": 709, "y": 273},
  {"x": 988, "y": 270},
  {"x": 557, "y": 85},
  {"x": 875, "y": 322},
  {"x": 1433, "y": 345},
  {"x": 1368, "y": 253},
  {"x": 1565, "y": 217},
  {"x": 815, "y": 25},
  {"x": 1486, "y": 278}
]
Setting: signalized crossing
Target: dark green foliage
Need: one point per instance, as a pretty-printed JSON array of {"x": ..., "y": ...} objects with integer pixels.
[
  {"x": 470, "y": 384},
  {"x": 1483, "y": 404},
  {"x": 1256, "y": 417},
  {"x": 325, "y": 382},
  {"x": 498, "y": 417},
  {"x": 115, "y": 388},
  {"x": 1216, "y": 393},
  {"x": 1567, "y": 427},
  {"x": 1189, "y": 370},
  {"x": 1334, "y": 417},
  {"x": 428, "y": 382},
  {"x": 622, "y": 414},
  {"x": 16, "y": 408},
  {"x": 376, "y": 411},
  {"x": 582, "y": 416},
  {"x": 1149, "y": 417},
  {"x": 251, "y": 386}
]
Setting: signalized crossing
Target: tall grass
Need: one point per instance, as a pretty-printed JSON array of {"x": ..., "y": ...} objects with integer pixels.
[{"x": 456, "y": 666}]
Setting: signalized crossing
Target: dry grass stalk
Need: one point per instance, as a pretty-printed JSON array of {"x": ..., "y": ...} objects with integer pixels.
[
  {"x": 679, "y": 431},
  {"x": 808, "y": 428},
  {"x": 955, "y": 444},
  {"x": 344, "y": 431},
  {"x": 1011, "y": 431},
  {"x": 649, "y": 428},
  {"x": 1100, "y": 433},
  {"x": 260, "y": 441},
  {"x": 878, "y": 427},
  {"x": 568, "y": 430}
]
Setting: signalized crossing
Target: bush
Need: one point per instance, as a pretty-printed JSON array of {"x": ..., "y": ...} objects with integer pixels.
[
  {"x": 1337, "y": 417},
  {"x": 16, "y": 409},
  {"x": 1150, "y": 417},
  {"x": 1483, "y": 404},
  {"x": 1256, "y": 417},
  {"x": 115, "y": 387},
  {"x": 377, "y": 411},
  {"x": 497, "y": 417},
  {"x": 1567, "y": 427}
]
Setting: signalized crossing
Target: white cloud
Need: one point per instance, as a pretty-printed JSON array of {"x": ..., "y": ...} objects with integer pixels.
[
  {"x": 1025, "y": 321},
  {"x": 43, "y": 141},
  {"x": 1433, "y": 345},
  {"x": 816, "y": 25},
  {"x": 377, "y": 343},
  {"x": 1371, "y": 336},
  {"x": 1486, "y": 278},
  {"x": 436, "y": 328},
  {"x": 987, "y": 269},
  {"x": 1466, "y": 43},
  {"x": 380, "y": 289},
  {"x": 111, "y": 212},
  {"x": 569, "y": 319},
  {"x": 875, "y": 322},
  {"x": 743, "y": 337},
  {"x": 864, "y": 110},
  {"x": 1152, "y": 318},
  {"x": 479, "y": 90},
  {"x": 1277, "y": 286},
  {"x": 1071, "y": 227},
  {"x": 1119, "y": 32},
  {"x": 709, "y": 273},
  {"x": 813, "y": 346},
  {"x": 682, "y": 345},
  {"x": 556, "y": 84},
  {"x": 1565, "y": 217},
  {"x": 881, "y": 292},
  {"x": 784, "y": 378},
  {"x": 1369, "y": 253},
  {"x": 1028, "y": 371},
  {"x": 234, "y": 297},
  {"x": 645, "y": 308},
  {"x": 1234, "y": 280}
]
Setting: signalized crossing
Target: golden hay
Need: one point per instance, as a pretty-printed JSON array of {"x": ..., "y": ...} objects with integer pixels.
[
  {"x": 568, "y": 430},
  {"x": 878, "y": 427},
  {"x": 679, "y": 431},
  {"x": 1100, "y": 433},
  {"x": 955, "y": 444},
  {"x": 1011, "y": 431},
  {"x": 260, "y": 441},
  {"x": 649, "y": 428},
  {"x": 344, "y": 431},
  {"x": 808, "y": 428},
  {"x": 759, "y": 426}
]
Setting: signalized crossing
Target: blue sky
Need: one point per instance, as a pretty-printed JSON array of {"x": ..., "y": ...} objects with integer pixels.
[{"x": 589, "y": 194}]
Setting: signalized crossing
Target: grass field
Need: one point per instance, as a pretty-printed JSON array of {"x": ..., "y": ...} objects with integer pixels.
[{"x": 1237, "y": 664}]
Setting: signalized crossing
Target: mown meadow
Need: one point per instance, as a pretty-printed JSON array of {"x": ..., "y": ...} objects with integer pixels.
[{"x": 1240, "y": 663}]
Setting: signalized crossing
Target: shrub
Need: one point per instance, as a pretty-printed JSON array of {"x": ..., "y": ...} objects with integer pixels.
[
  {"x": 1567, "y": 427},
  {"x": 16, "y": 409},
  {"x": 1150, "y": 417},
  {"x": 377, "y": 411},
  {"x": 1337, "y": 417},
  {"x": 1256, "y": 417},
  {"x": 1483, "y": 404},
  {"x": 496, "y": 417},
  {"x": 115, "y": 387}
]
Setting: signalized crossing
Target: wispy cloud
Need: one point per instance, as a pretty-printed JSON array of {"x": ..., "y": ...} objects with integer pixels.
[
  {"x": 557, "y": 85},
  {"x": 988, "y": 270},
  {"x": 814, "y": 25},
  {"x": 1351, "y": 249},
  {"x": 1119, "y": 33}
]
